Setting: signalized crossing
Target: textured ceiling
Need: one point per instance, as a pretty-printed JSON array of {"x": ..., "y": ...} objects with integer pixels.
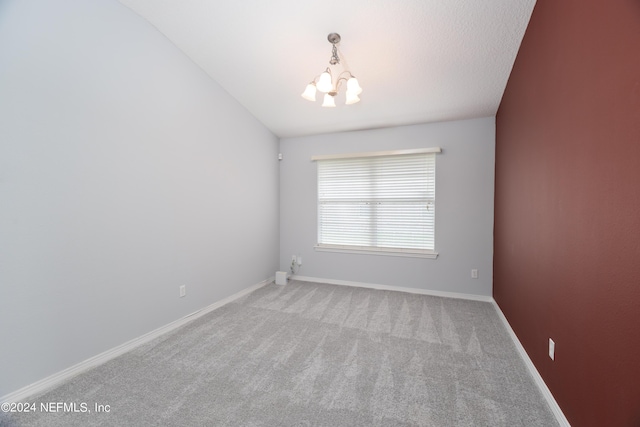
[{"x": 418, "y": 61}]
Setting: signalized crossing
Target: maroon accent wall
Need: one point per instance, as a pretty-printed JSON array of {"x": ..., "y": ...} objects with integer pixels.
[{"x": 567, "y": 205}]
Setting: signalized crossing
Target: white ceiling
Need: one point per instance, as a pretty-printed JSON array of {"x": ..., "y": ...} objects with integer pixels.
[{"x": 418, "y": 61}]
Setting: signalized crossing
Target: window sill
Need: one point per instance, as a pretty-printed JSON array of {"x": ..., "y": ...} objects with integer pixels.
[{"x": 409, "y": 253}]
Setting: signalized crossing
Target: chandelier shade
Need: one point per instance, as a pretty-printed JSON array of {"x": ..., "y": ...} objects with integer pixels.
[
  {"x": 310, "y": 92},
  {"x": 352, "y": 98},
  {"x": 324, "y": 82},
  {"x": 329, "y": 101},
  {"x": 353, "y": 86},
  {"x": 331, "y": 79}
]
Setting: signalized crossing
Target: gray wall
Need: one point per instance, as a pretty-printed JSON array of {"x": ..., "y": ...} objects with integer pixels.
[
  {"x": 464, "y": 207},
  {"x": 125, "y": 171}
]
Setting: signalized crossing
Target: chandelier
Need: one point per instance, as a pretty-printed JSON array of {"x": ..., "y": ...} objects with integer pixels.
[{"x": 331, "y": 79}]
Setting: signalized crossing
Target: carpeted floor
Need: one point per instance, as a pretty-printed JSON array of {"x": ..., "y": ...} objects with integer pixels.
[{"x": 309, "y": 354}]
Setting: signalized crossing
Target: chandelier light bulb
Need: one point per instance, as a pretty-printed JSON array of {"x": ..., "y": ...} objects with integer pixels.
[
  {"x": 329, "y": 101},
  {"x": 310, "y": 92}
]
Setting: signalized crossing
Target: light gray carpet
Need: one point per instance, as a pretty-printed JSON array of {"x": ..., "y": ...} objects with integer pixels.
[{"x": 309, "y": 354}]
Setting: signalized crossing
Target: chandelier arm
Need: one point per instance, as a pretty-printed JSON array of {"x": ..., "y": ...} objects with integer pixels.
[{"x": 339, "y": 81}]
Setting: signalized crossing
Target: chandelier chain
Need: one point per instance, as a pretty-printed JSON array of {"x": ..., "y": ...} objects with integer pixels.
[{"x": 335, "y": 59}]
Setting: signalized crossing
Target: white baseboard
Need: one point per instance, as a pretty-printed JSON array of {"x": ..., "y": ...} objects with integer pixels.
[
  {"x": 551, "y": 401},
  {"x": 53, "y": 380},
  {"x": 394, "y": 288}
]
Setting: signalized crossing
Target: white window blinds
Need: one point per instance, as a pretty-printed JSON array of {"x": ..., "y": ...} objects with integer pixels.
[{"x": 380, "y": 203}]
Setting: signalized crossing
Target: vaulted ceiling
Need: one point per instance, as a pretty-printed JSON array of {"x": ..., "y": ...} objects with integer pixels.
[{"x": 418, "y": 61}]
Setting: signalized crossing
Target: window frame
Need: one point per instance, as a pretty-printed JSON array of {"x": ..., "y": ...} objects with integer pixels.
[{"x": 372, "y": 250}]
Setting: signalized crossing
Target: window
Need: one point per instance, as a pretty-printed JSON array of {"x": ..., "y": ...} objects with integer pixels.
[{"x": 381, "y": 203}]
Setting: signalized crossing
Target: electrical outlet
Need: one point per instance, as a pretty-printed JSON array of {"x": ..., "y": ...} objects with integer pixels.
[
  {"x": 474, "y": 273},
  {"x": 183, "y": 291},
  {"x": 552, "y": 349},
  {"x": 299, "y": 260}
]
